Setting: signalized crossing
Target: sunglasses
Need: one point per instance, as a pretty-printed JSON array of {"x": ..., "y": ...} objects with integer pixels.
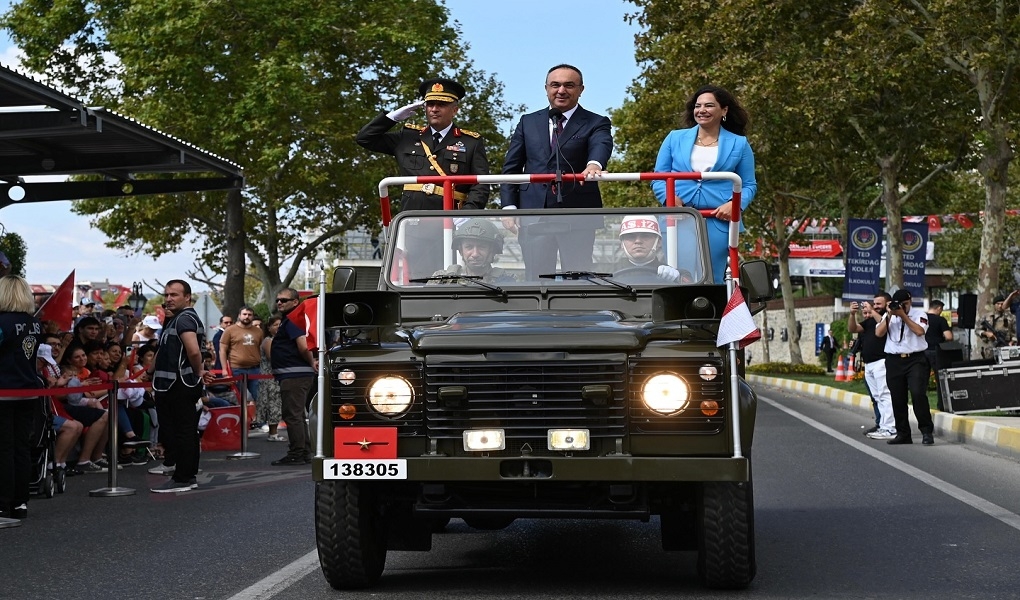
[{"x": 280, "y": 300}]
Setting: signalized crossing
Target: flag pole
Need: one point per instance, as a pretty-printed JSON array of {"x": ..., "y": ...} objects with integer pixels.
[
  {"x": 731, "y": 285},
  {"x": 320, "y": 341}
]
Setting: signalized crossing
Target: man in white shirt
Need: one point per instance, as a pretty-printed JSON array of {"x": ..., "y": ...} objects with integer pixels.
[{"x": 903, "y": 328}]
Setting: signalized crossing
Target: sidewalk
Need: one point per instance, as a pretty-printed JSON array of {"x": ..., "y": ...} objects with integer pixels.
[{"x": 995, "y": 434}]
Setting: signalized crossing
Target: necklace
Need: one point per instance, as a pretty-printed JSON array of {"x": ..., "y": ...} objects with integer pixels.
[{"x": 702, "y": 142}]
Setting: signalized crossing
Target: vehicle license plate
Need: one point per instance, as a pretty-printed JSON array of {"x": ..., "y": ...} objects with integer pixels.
[{"x": 364, "y": 469}]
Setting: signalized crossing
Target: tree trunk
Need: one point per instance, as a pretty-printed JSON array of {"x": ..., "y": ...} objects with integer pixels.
[
  {"x": 894, "y": 222},
  {"x": 788, "y": 307},
  {"x": 233, "y": 288},
  {"x": 994, "y": 167},
  {"x": 766, "y": 356}
]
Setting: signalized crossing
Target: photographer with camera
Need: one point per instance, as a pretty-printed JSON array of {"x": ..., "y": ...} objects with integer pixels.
[
  {"x": 873, "y": 357},
  {"x": 903, "y": 328}
]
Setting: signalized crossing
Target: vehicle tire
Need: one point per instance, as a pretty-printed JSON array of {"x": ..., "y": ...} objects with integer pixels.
[
  {"x": 60, "y": 481},
  {"x": 726, "y": 535},
  {"x": 350, "y": 533},
  {"x": 489, "y": 523}
]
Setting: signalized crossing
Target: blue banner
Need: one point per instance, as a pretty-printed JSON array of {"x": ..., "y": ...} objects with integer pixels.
[
  {"x": 864, "y": 259},
  {"x": 915, "y": 246}
]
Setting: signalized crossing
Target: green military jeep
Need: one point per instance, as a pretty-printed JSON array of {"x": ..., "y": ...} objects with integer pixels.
[{"x": 495, "y": 388}]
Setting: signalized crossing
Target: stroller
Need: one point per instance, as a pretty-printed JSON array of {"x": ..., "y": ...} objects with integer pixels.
[{"x": 44, "y": 482}]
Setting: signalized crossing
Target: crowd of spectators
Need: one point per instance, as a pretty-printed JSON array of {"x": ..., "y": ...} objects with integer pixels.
[{"x": 117, "y": 345}]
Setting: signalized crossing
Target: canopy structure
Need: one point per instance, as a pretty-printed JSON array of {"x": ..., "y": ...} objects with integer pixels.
[{"x": 45, "y": 132}]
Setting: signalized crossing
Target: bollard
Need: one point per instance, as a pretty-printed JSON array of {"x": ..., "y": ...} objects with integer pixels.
[
  {"x": 243, "y": 400},
  {"x": 113, "y": 451}
]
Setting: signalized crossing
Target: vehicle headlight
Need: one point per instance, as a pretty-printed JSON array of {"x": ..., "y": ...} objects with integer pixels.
[
  {"x": 390, "y": 395},
  {"x": 665, "y": 393}
]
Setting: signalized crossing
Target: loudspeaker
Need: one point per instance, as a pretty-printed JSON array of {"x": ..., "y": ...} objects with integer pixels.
[{"x": 967, "y": 311}]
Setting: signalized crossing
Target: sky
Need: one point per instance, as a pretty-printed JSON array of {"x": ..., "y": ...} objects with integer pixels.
[{"x": 508, "y": 40}]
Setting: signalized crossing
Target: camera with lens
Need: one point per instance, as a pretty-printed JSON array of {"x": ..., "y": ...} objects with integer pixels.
[{"x": 894, "y": 305}]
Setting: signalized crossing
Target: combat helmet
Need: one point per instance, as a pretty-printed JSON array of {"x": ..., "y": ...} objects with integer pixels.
[{"x": 479, "y": 229}]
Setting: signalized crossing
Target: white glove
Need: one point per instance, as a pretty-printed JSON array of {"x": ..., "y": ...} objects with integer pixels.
[
  {"x": 405, "y": 111},
  {"x": 668, "y": 273}
]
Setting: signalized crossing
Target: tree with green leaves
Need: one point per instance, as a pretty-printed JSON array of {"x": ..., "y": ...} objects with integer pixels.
[
  {"x": 978, "y": 43},
  {"x": 279, "y": 86}
]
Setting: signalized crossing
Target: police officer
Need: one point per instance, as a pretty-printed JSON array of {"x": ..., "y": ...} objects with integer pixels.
[
  {"x": 478, "y": 242},
  {"x": 439, "y": 148}
]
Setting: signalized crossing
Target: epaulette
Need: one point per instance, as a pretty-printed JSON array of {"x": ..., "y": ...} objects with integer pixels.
[
  {"x": 473, "y": 134},
  {"x": 413, "y": 126}
]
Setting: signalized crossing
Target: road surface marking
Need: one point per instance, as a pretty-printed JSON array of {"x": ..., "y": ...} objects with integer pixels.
[
  {"x": 993, "y": 510},
  {"x": 280, "y": 580}
]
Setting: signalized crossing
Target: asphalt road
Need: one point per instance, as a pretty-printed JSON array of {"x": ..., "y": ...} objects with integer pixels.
[{"x": 837, "y": 515}]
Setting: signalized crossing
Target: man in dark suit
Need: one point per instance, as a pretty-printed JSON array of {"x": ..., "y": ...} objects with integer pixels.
[
  {"x": 583, "y": 142},
  {"x": 828, "y": 349},
  {"x": 439, "y": 148}
]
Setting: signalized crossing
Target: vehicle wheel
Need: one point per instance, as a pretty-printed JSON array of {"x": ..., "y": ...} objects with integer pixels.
[
  {"x": 350, "y": 534},
  {"x": 47, "y": 485},
  {"x": 60, "y": 481},
  {"x": 489, "y": 523},
  {"x": 726, "y": 535}
]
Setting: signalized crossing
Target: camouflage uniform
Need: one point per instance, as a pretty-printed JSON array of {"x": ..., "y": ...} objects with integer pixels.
[
  {"x": 1002, "y": 324},
  {"x": 495, "y": 275}
]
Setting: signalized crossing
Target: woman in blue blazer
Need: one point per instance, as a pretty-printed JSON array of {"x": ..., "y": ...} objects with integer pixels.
[{"x": 713, "y": 141}]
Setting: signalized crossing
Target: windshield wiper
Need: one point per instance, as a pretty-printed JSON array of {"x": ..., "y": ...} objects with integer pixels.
[
  {"x": 589, "y": 276},
  {"x": 474, "y": 279}
]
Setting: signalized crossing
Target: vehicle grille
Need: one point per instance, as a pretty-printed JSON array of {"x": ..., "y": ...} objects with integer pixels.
[
  {"x": 526, "y": 399},
  {"x": 691, "y": 420}
]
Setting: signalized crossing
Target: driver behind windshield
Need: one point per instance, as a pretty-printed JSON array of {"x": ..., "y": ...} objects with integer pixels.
[
  {"x": 478, "y": 242},
  {"x": 640, "y": 242}
]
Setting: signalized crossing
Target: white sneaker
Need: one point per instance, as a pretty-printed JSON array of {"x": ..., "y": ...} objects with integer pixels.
[
  {"x": 162, "y": 469},
  {"x": 882, "y": 434}
]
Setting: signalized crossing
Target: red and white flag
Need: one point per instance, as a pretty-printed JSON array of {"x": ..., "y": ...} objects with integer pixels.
[
  {"x": 306, "y": 316},
  {"x": 736, "y": 324},
  {"x": 58, "y": 306}
]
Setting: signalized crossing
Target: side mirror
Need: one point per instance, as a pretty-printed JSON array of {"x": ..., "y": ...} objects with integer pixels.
[
  {"x": 344, "y": 279},
  {"x": 755, "y": 276}
]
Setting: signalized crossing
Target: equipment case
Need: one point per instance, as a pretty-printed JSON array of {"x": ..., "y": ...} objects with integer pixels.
[{"x": 981, "y": 389}]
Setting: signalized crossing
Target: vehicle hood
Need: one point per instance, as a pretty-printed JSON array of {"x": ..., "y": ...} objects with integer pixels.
[{"x": 563, "y": 330}]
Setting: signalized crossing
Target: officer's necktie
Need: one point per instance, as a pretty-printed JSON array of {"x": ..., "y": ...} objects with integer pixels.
[{"x": 437, "y": 137}]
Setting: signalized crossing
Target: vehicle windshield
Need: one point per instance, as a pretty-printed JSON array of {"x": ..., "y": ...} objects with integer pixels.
[{"x": 638, "y": 247}]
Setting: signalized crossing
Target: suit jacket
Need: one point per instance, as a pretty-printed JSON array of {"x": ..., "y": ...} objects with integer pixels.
[
  {"x": 735, "y": 155},
  {"x": 586, "y": 137},
  {"x": 461, "y": 152}
]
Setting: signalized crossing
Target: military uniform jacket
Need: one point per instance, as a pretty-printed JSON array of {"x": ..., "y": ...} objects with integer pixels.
[
  {"x": 461, "y": 152},
  {"x": 495, "y": 275}
]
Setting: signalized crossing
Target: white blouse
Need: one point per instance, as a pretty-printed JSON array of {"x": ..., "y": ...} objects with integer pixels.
[{"x": 703, "y": 157}]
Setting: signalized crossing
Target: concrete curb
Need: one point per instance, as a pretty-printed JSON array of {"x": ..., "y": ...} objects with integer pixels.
[{"x": 977, "y": 431}]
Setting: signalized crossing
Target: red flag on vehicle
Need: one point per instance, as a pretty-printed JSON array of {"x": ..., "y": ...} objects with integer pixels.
[
  {"x": 737, "y": 325},
  {"x": 306, "y": 316},
  {"x": 58, "y": 306}
]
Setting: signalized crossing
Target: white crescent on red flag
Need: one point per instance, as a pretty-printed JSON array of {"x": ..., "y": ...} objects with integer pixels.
[
  {"x": 306, "y": 316},
  {"x": 737, "y": 325}
]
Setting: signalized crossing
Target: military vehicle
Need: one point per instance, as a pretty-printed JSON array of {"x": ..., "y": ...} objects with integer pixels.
[{"x": 596, "y": 393}]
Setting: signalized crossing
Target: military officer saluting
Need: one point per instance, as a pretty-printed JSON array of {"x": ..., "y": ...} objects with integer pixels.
[{"x": 438, "y": 148}]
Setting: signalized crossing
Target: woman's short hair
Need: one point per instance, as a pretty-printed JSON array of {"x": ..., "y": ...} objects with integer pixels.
[{"x": 15, "y": 295}]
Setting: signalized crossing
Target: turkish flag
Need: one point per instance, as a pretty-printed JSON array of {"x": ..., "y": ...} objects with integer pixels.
[
  {"x": 736, "y": 324},
  {"x": 223, "y": 432},
  {"x": 365, "y": 442},
  {"x": 964, "y": 221},
  {"x": 58, "y": 306},
  {"x": 934, "y": 224},
  {"x": 306, "y": 316}
]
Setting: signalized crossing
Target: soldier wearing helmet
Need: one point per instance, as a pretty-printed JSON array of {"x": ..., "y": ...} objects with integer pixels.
[
  {"x": 478, "y": 242},
  {"x": 640, "y": 242}
]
